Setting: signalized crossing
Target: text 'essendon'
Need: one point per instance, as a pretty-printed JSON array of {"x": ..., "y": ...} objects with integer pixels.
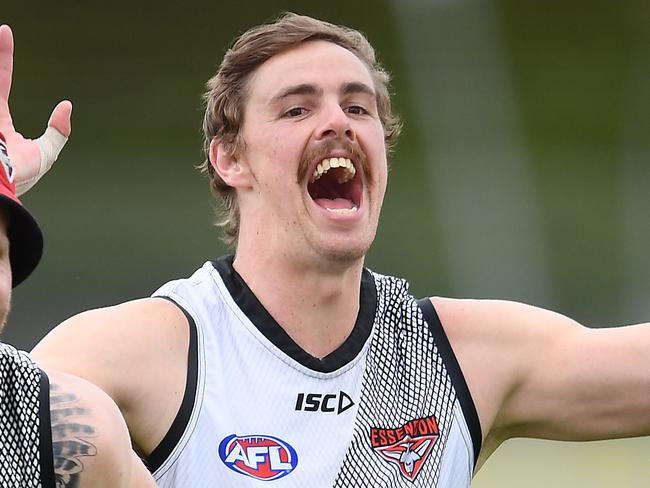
[{"x": 415, "y": 428}]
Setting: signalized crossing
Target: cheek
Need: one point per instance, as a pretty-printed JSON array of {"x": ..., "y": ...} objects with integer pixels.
[
  {"x": 5, "y": 280},
  {"x": 272, "y": 150},
  {"x": 375, "y": 149},
  {"x": 288, "y": 143}
]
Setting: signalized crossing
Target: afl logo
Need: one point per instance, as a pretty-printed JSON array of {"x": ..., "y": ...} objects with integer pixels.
[{"x": 259, "y": 456}]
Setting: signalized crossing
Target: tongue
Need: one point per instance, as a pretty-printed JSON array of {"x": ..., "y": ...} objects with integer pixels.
[{"x": 335, "y": 204}]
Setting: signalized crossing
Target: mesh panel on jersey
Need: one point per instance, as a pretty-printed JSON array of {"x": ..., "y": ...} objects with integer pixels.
[
  {"x": 19, "y": 420},
  {"x": 405, "y": 379}
]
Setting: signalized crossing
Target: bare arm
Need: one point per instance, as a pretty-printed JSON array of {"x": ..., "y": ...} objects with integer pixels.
[
  {"x": 536, "y": 373},
  {"x": 136, "y": 352},
  {"x": 90, "y": 441}
]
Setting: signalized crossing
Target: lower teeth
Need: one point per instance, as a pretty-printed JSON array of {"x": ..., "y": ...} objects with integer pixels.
[{"x": 342, "y": 210}]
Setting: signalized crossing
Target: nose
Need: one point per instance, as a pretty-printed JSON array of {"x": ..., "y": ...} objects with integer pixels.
[{"x": 335, "y": 123}]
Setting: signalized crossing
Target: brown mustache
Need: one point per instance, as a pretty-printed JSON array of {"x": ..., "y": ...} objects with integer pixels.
[{"x": 322, "y": 150}]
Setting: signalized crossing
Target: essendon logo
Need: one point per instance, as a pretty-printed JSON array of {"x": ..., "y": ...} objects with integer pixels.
[{"x": 407, "y": 446}]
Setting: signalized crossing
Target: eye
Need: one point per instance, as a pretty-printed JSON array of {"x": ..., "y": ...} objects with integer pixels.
[
  {"x": 295, "y": 112},
  {"x": 356, "y": 110}
]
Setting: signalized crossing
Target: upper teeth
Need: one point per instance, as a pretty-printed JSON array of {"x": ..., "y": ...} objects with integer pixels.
[{"x": 324, "y": 166}]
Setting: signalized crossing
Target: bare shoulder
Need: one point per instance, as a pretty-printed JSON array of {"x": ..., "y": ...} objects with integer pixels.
[
  {"x": 498, "y": 344},
  {"x": 136, "y": 352},
  {"x": 498, "y": 323},
  {"x": 90, "y": 440},
  {"x": 99, "y": 344}
]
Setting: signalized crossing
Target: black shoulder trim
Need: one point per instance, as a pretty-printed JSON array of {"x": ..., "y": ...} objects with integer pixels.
[
  {"x": 45, "y": 448},
  {"x": 453, "y": 367},
  {"x": 266, "y": 324},
  {"x": 173, "y": 436}
]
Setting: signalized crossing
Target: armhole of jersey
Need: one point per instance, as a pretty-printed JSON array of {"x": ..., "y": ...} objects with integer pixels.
[
  {"x": 453, "y": 367},
  {"x": 173, "y": 436},
  {"x": 45, "y": 433}
]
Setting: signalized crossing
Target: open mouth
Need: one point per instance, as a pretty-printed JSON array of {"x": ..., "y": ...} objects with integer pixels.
[{"x": 336, "y": 186}]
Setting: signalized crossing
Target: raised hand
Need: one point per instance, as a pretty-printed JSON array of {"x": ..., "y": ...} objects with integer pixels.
[{"x": 31, "y": 158}]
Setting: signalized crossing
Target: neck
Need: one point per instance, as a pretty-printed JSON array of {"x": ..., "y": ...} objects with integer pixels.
[{"x": 316, "y": 304}]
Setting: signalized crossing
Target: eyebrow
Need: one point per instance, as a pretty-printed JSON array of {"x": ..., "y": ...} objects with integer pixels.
[
  {"x": 355, "y": 87},
  {"x": 301, "y": 89},
  {"x": 350, "y": 88}
]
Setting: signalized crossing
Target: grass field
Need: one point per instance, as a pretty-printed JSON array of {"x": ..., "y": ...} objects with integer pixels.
[{"x": 543, "y": 464}]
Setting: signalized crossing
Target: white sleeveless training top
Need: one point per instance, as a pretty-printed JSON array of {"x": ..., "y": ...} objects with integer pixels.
[{"x": 388, "y": 408}]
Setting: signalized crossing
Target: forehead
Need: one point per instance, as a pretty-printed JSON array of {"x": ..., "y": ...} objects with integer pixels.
[{"x": 321, "y": 63}]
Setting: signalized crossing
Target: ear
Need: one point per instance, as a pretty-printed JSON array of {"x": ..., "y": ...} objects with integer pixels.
[{"x": 227, "y": 166}]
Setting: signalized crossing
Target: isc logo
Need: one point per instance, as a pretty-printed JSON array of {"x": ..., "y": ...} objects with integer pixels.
[
  {"x": 259, "y": 456},
  {"x": 318, "y": 402}
]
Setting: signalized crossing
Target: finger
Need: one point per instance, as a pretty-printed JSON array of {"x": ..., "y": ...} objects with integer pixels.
[
  {"x": 6, "y": 68},
  {"x": 60, "y": 118}
]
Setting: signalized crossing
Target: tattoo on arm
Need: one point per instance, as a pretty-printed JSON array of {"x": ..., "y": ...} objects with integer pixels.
[{"x": 71, "y": 435}]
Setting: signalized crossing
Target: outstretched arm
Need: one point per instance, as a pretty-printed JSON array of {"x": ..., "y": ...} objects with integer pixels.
[
  {"x": 31, "y": 158},
  {"x": 536, "y": 373}
]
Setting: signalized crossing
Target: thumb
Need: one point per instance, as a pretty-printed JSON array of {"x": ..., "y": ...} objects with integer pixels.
[
  {"x": 50, "y": 143},
  {"x": 60, "y": 118}
]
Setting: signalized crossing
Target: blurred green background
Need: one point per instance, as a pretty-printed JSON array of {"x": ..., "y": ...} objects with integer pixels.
[{"x": 522, "y": 172}]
